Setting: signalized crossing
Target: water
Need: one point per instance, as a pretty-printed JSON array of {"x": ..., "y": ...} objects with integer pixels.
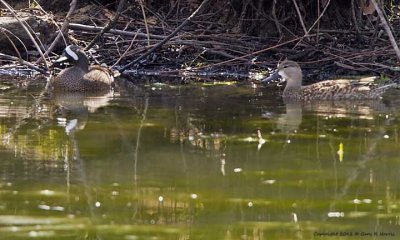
[{"x": 197, "y": 162}]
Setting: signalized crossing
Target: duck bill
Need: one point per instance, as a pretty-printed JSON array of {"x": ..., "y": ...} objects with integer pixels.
[
  {"x": 272, "y": 77},
  {"x": 61, "y": 59}
]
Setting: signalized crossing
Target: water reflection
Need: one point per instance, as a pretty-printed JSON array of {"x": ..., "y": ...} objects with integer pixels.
[
  {"x": 184, "y": 162},
  {"x": 290, "y": 121},
  {"x": 72, "y": 109}
]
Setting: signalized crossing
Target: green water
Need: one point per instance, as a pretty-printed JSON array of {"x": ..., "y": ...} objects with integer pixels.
[{"x": 188, "y": 162}]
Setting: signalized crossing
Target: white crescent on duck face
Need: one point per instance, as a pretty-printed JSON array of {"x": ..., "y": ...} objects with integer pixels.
[
  {"x": 81, "y": 77},
  {"x": 340, "y": 89},
  {"x": 71, "y": 53}
]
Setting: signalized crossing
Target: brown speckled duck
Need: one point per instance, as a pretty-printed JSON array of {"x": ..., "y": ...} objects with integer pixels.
[
  {"x": 341, "y": 89},
  {"x": 81, "y": 77}
]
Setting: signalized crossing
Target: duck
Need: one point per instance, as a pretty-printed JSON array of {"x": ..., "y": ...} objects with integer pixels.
[
  {"x": 81, "y": 77},
  {"x": 340, "y": 89}
]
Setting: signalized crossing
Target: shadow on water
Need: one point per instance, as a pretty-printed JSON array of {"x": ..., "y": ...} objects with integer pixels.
[{"x": 196, "y": 162}]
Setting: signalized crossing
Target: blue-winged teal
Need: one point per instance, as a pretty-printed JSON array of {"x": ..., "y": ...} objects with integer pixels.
[
  {"x": 81, "y": 77},
  {"x": 326, "y": 90}
]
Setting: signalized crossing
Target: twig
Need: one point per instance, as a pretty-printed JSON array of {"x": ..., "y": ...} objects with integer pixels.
[
  {"x": 277, "y": 25},
  {"x": 82, "y": 27},
  {"x": 13, "y": 45},
  {"x": 126, "y": 51},
  {"x": 63, "y": 29},
  {"x": 346, "y": 66},
  {"x": 387, "y": 29},
  {"x": 187, "y": 20},
  {"x": 109, "y": 25},
  {"x": 145, "y": 21},
  {"x": 4, "y": 30},
  {"x": 26, "y": 29},
  {"x": 391, "y": 68},
  {"x": 139, "y": 133},
  {"x": 319, "y": 17},
  {"x": 256, "y": 52},
  {"x": 316, "y": 21},
  {"x": 353, "y": 15},
  {"x": 23, "y": 62},
  {"x": 300, "y": 18},
  {"x": 319, "y": 14},
  {"x": 242, "y": 16}
]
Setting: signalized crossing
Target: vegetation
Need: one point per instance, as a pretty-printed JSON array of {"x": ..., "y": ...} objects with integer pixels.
[{"x": 337, "y": 36}]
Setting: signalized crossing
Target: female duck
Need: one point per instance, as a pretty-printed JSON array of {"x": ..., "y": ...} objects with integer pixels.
[
  {"x": 80, "y": 77},
  {"x": 340, "y": 89}
]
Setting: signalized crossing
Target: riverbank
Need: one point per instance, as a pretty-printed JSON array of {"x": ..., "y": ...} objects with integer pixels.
[{"x": 197, "y": 36}]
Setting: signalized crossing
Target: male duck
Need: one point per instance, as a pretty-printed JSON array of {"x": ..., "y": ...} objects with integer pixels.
[
  {"x": 80, "y": 77},
  {"x": 339, "y": 89}
]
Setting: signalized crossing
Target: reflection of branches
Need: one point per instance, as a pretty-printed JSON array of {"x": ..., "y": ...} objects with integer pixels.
[
  {"x": 31, "y": 113},
  {"x": 365, "y": 158},
  {"x": 136, "y": 155},
  {"x": 146, "y": 105},
  {"x": 75, "y": 154}
]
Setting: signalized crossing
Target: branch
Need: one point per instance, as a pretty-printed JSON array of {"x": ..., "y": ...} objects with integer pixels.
[
  {"x": 319, "y": 17},
  {"x": 277, "y": 24},
  {"x": 155, "y": 47},
  {"x": 63, "y": 29},
  {"x": 23, "y": 62},
  {"x": 109, "y": 25},
  {"x": 25, "y": 28},
  {"x": 387, "y": 29},
  {"x": 77, "y": 26},
  {"x": 301, "y": 19},
  {"x": 145, "y": 21},
  {"x": 246, "y": 56}
]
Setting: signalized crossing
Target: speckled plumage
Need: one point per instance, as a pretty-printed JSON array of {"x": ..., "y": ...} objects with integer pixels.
[
  {"x": 81, "y": 77},
  {"x": 341, "y": 89}
]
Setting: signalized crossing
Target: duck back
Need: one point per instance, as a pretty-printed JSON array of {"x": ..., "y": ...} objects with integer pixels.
[{"x": 338, "y": 90}]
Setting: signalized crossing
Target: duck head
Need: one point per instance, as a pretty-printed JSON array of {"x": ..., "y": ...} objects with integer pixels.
[
  {"x": 290, "y": 72},
  {"x": 76, "y": 56}
]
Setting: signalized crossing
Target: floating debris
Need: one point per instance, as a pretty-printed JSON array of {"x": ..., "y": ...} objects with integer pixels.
[
  {"x": 340, "y": 152},
  {"x": 193, "y": 196},
  {"x": 335, "y": 214},
  {"x": 47, "y": 192},
  {"x": 269, "y": 181}
]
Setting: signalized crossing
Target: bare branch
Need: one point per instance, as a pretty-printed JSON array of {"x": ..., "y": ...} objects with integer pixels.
[
  {"x": 387, "y": 29},
  {"x": 187, "y": 20},
  {"x": 109, "y": 25},
  {"x": 63, "y": 29}
]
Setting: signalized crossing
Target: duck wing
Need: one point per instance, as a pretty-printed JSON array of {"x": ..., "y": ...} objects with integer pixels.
[
  {"x": 364, "y": 88},
  {"x": 99, "y": 74}
]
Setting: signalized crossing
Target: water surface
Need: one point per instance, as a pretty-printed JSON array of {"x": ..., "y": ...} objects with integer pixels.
[{"x": 197, "y": 162}]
